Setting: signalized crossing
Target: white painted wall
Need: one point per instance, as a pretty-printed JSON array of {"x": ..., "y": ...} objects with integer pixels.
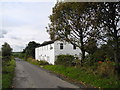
[
  {"x": 47, "y": 54},
  {"x": 67, "y": 49}
]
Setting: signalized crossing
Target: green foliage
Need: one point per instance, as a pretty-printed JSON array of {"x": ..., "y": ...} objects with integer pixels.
[
  {"x": 41, "y": 62},
  {"x": 109, "y": 18},
  {"x": 82, "y": 76},
  {"x": 103, "y": 53},
  {"x": 8, "y": 73},
  {"x": 65, "y": 60},
  {"x": 6, "y": 52},
  {"x": 36, "y": 62},
  {"x": 32, "y": 61},
  {"x": 30, "y": 49},
  {"x": 91, "y": 45},
  {"x": 76, "y": 62},
  {"x": 86, "y": 24},
  {"x": 106, "y": 69},
  {"x": 97, "y": 75},
  {"x": 6, "y": 82},
  {"x": 71, "y": 22},
  {"x": 20, "y": 55}
]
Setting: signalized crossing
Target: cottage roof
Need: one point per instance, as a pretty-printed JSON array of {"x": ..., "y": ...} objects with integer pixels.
[{"x": 46, "y": 43}]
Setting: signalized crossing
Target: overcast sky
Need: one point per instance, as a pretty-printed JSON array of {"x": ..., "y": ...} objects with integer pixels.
[{"x": 22, "y": 22}]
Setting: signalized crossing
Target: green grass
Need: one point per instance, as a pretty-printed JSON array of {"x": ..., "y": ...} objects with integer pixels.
[
  {"x": 80, "y": 75},
  {"x": 8, "y": 74},
  {"x": 0, "y": 71},
  {"x": 35, "y": 62},
  {"x": 0, "y": 80}
]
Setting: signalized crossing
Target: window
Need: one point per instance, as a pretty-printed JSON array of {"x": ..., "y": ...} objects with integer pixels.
[
  {"x": 74, "y": 46},
  {"x": 51, "y": 47},
  {"x": 61, "y": 45}
]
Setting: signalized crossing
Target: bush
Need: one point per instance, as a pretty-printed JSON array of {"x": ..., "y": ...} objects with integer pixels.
[
  {"x": 36, "y": 62},
  {"x": 43, "y": 62},
  {"x": 30, "y": 59},
  {"x": 89, "y": 60},
  {"x": 65, "y": 60},
  {"x": 106, "y": 69},
  {"x": 21, "y": 55},
  {"x": 6, "y": 52},
  {"x": 76, "y": 62}
]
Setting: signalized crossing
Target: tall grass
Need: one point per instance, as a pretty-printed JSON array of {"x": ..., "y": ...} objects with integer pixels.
[
  {"x": 8, "y": 73},
  {"x": 84, "y": 75},
  {"x": 36, "y": 62},
  {"x": 79, "y": 74}
]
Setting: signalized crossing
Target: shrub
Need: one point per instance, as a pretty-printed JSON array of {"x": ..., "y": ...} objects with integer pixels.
[
  {"x": 6, "y": 52},
  {"x": 89, "y": 60},
  {"x": 43, "y": 62},
  {"x": 65, "y": 60},
  {"x": 106, "y": 69},
  {"x": 30, "y": 59},
  {"x": 76, "y": 62}
]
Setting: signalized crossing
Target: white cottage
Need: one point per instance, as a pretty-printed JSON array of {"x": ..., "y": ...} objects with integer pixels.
[{"x": 49, "y": 50}]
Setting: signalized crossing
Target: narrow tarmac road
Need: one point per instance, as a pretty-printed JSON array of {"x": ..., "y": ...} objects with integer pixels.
[{"x": 31, "y": 76}]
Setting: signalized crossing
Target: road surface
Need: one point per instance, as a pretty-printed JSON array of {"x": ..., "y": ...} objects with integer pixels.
[{"x": 31, "y": 76}]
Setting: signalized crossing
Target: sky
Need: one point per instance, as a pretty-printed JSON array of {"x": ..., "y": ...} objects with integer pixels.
[{"x": 22, "y": 22}]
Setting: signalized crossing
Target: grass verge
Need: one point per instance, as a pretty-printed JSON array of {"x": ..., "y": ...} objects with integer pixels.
[
  {"x": 8, "y": 73},
  {"x": 80, "y": 75},
  {"x": 36, "y": 62}
]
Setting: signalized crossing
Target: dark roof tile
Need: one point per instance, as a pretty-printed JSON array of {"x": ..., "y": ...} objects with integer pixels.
[{"x": 46, "y": 43}]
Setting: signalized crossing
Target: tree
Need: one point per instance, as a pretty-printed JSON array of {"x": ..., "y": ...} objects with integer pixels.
[
  {"x": 6, "y": 52},
  {"x": 91, "y": 45},
  {"x": 109, "y": 16},
  {"x": 30, "y": 49},
  {"x": 73, "y": 22}
]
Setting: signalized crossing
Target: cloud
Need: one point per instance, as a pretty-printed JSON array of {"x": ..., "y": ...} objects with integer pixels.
[
  {"x": 14, "y": 37},
  {"x": 28, "y": 1},
  {"x": 26, "y": 13},
  {"x": 2, "y": 33},
  {"x": 20, "y": 36},
  {"x": 23, "y": 22},
  {"x": 17, "y": 45},
  {"x": 8, "y": 21}
]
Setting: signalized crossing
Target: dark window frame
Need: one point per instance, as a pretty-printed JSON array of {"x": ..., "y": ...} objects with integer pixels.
[
  {"x": 74, "y": 47},
  {"x": 61, "y": 46}
]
